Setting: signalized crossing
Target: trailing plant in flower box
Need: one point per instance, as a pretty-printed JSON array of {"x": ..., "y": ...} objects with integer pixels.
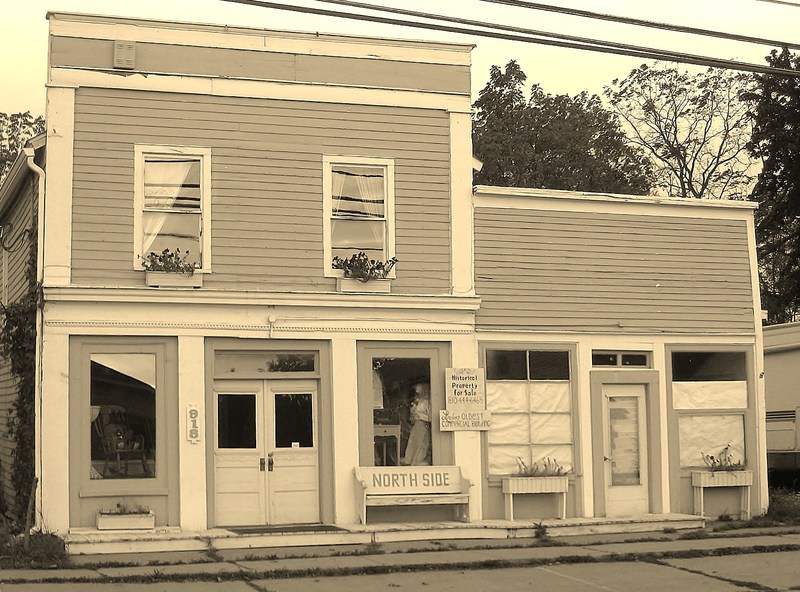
[
  {"x": 169, "y": 261},
  {"x": 360, "y": 267},
  {"x": 548, "y": 468},
  {"x": 722, "y": 461}
]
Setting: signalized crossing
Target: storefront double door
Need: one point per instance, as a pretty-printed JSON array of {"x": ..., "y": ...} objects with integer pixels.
[{"x": 266, "y": 459}]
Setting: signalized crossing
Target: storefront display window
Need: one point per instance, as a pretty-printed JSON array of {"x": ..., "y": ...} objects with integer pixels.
[
  {"x": 123, "y": 416},
  {"x": 401, "y": 395}
]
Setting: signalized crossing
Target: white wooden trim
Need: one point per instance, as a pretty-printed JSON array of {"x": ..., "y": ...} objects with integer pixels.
[
  {"x": 221, "y": 36},
  {"x": 570, "y": 201},
  {"x": 462, "y": 221},
  {"x": 191, "y": 391},
  {"x": 204, "y": 154},
  {"x": 260, "y": 89},
  {"x": 328, "y": 160},
  {"x": 57, "y": 224}
]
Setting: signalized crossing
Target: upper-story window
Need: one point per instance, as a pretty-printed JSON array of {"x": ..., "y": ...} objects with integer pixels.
[
  {"x": 173, "y": 203},
  {"x": 359, "y": 208}
]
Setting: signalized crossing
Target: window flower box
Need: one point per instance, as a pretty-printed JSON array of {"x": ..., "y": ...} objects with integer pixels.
[
  {"x": 722, "y": 478},
  {"x": 552, "y": 484},
  {"x": 375, "y": 286},
  {"x": 135, "y": 521},
  {"x": 168, "y": 279},
  {"x": 558, "y": 484}
]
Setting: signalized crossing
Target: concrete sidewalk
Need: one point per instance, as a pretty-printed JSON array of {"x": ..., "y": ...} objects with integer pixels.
[{"x": 251, "y": 565}]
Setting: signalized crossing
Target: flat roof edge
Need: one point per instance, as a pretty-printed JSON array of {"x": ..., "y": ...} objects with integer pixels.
[{"x": 524, "y": 192}]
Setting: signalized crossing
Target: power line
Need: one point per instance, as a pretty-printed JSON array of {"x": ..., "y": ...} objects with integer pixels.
[
  {"x": 650, "y": 24},
  {"x": 582, "y": 43}
]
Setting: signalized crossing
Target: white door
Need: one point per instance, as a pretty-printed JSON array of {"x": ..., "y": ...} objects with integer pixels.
[
  {"x": 625, "y": 449},
  {"x": 265, "y": 453}
]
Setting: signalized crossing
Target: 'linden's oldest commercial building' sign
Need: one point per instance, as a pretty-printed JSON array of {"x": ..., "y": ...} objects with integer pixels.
[{"x": 465, "y": 401}]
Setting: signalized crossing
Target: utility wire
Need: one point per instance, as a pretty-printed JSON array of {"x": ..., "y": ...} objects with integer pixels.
[
  {"x": 650, "y": 24},
  {"x": 582, "y": 43},
  {"x": 666, "y": 54}
]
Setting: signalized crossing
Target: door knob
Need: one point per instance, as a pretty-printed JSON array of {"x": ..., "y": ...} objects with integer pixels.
[
  {"x": 608, "y": 458},
  {"x": 271, "y": 464}
]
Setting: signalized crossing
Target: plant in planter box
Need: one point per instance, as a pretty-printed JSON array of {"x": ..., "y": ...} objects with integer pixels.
[
  {"x": 360, "y": 267},
  {"x": 169, "y": 261},
  {"x": 126, "y": 517},
  {"x": 723, "y": 461},
  {"x": 548, "y": 468}
]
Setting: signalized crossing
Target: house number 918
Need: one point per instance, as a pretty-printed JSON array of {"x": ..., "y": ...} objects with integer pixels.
[{"x": 193, "y": 433}]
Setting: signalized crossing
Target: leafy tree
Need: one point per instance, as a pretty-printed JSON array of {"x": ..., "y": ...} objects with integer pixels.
[
  {"x": 776, "y": 140},
  {"x": 694, "y": 127},
  {"x": 551, "y": 141},
  {"x": 15, "y": 130}
]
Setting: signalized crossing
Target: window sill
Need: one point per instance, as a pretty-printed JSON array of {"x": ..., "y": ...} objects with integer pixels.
[
  {"x": 163, "y": 279},
  {"x": 381, "y": 286}
]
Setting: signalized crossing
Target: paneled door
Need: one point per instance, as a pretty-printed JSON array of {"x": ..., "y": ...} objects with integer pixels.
[
  {"x": 266, "y": 458},
  {"x": 625, "y": 449}
]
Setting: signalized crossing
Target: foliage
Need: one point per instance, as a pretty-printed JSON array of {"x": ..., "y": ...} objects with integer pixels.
[
  {"x": 784, "y": 505},
  {"x": 124, "y": 509},
  {"x": 548, "y": 468},
  {"x": 15, "y": 130},
  {"x": 695, "y": 128},
  {"x": 45, "y": 550},
  {"x": 18, "y": 345},
  {"x": 169, "y": 261},
  {"x": 551, "y": 141},
  {"x": 776, "y": 120},
  {"x": 362, "y": 268},
  {"x": 723, "y": 461}
]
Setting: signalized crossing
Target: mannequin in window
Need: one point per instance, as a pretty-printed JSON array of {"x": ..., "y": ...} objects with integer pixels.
[{"x": 418, "y": 447}]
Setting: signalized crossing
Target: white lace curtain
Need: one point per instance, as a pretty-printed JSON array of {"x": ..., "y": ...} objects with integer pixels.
[
  {"x": 359, "y": 206},
  {"x": 169, "y": 186}
]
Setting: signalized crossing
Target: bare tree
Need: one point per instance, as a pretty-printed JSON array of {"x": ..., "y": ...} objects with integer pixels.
[{"x": 694, "y": 127}]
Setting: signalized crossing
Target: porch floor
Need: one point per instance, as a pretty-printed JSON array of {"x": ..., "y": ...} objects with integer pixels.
[{"x": 92, "y": 541}]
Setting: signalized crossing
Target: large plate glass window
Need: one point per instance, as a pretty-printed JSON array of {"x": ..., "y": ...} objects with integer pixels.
[
  {"x": 173, "y": 203},
  {"x": 528, "y": 392},
  {"x": 710, "y": 396},
  {"x": 359, "y": 209}
]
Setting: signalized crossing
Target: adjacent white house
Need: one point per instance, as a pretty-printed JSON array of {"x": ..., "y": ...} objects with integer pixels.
[{"x": 615, "y": 339}]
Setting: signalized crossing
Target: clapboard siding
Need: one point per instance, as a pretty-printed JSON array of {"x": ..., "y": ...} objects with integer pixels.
[
  {"x": 74, "y": 52},
  {"x": 8, "y": 393},
  {"x": 266, "y": 184},
  {"x": 603, "y": 272}
]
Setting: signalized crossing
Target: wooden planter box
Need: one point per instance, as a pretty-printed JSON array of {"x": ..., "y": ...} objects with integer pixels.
[
  {"x": 166, "y": 279},
  {"x": 126, "y": 521},
  {"x": 558, "y": 484},
  {"x": 533, "y": 485},
  {"x": 702, "y": 480},
  {"x": 722, "y": 478},
  {"x": 381, "y": 286}
]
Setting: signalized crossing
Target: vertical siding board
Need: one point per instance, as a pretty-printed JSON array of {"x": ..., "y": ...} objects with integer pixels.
[
  {"x": 266, "y": 185},
  {"x": 612, "y": 273}
]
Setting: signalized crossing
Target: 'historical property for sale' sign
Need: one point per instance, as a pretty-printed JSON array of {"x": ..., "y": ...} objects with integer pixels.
[{"x": 465, "y": 401}]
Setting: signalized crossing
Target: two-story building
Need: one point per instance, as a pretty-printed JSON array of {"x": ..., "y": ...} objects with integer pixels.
[{"x": 618, "y": 335}]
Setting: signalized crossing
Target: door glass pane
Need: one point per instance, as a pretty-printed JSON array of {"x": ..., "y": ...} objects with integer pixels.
[
  {"x": 236, "y": 421},
  {"x": 401, "y": 396},
  {"x": 122, "y": 413},
  {"x": 294, "y": 421},
  {"x": 623, "y": 424}
]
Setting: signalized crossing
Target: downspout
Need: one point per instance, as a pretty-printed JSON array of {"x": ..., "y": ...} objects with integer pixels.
[{"x": 30, "y": 154}]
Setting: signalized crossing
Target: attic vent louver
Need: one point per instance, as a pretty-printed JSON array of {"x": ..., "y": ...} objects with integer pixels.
[{"x": 125, "y": 55}]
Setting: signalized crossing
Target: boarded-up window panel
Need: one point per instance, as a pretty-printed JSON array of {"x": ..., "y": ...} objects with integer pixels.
[
  {"x": 560, "y": 453},
  {"x": 507, "y": 397},
  {"x": 720, "y": 394},
  {"x": 551, "y": 428},
  {"x": 550, "y": 397},
  {"x": 503, "y": 459},
  {"x": 708, "y": 434},
  {"x": 509, "y": 428}
]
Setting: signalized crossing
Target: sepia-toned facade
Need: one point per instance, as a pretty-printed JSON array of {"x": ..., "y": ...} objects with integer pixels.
[{"x": 619, "y": 336}]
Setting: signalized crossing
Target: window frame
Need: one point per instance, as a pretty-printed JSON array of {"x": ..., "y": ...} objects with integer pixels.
[
  {"x": 328, "y": 162},
  {"x": 203, "y": 154},
  {"x": 571, "y": 349}
]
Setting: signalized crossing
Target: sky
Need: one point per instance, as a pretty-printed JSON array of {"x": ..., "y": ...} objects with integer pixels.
[{"x": 23, "y": 34}]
